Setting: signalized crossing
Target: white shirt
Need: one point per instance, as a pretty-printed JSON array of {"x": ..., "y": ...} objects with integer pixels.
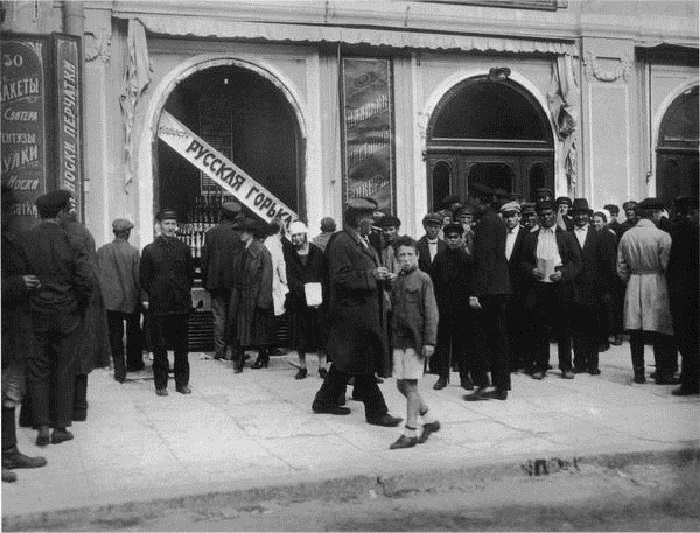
[
  {"x": 581, "y": 234},
  {"x": 511, "y": 237},
  {"x": 547, "y": 247},
  {"x": 432, "y": 248}
]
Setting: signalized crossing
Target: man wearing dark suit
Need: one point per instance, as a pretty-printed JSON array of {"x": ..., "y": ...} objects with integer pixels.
[
  {"x": 517, "y": 331},
  {"x": 57, "y": 308},
  {"x": 589, "y": 285},
  {"x": 490, "y": 292},
  {"x": 356, "y": 336},
  {"x": 552, "y": 259},
  {"x": 218, "y": 250},
  {"x": 429, "y": 245}
]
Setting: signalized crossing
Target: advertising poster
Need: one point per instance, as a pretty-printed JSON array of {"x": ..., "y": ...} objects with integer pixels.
[
  {"x": 69, "y": 83},
  {"x": 368, "y": 133},
  {"x": 23, "y": 121}
]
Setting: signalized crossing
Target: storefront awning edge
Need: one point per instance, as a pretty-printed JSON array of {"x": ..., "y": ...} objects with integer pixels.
[{"x": 189, "y": 26}]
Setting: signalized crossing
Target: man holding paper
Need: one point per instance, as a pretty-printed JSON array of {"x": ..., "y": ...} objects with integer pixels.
[
  {"x": 551, "y": 257},
  {"x": 304, "y": 274}
]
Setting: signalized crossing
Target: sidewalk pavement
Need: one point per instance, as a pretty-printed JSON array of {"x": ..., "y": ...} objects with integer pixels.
[{"x": 257, "y": 430}]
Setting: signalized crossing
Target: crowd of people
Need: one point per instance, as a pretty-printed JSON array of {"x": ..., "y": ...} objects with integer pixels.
[{"x": 485, "y": 291}]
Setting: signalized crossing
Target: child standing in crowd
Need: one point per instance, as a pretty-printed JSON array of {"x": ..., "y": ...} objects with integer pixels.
[{"x": 414, "y": 331}]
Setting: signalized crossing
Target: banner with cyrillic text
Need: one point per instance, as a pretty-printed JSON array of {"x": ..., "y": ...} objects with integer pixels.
[{"x": 221, "y": 170}]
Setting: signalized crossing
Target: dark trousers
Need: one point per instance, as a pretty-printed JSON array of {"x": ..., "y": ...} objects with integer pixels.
[
  {"x": 686, "y": 327},
  {"x": 518, "y": 335},
  {"x": 9, "y": 431},
  {"x": 365, "y": 387},
  {"x": 116, "y": 321},
  {"x": 664, "y": 351},
  {"x": 170, "y": 330},
  {"x": 585, "y": 333},
  {"x": 220, "y": 301},
  {"x": 450, "y": 350},
  {"x": 52, "y": 367},
  {"x": 494, "y": 342},
  {"x": 552, "y": 309}
]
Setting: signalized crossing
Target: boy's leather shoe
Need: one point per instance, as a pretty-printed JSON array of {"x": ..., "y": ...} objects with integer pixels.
[
  {"x": 386, "y": 421},
  {"x": 440, "y": 384},
  {"x": 428, "y": 429},
  {"x": 183, "y": 389},
  {"x": 404, "y": 442},
  {"x": 161, "y": 392}
]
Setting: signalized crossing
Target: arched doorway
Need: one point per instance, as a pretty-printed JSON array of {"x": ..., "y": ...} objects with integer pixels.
[
  {"x": 677, "y": 148},
  {"x": 492, "y": 132},
  {"x": 246, "y": 117}
]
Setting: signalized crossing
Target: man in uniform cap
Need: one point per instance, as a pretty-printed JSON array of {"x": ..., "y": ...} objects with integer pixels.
[
  {"x": 57, "y": 306},
  {"x": 642, "y": 260},
  {"x": 465, "y": 215},
  {"x": 17, "y": 339},
  {"x": 590, "y": 285},
  {"x": 614, "y": 211},
  {"x": 450, "y": 202},
  {"x": 552, "y": 259},
  {"x": 166, "y": 276},
  {"x": 683, "y": 277},
  {"x": 528, "y": 216},
  {"x": 430, "y": 244},
  {"x": 630, "y": 209},
  {"x": 118, "y": 269},
  {"x": 515, "y": 237},
  {"x": 218, "y": 250},
  {"x": 357, "y": 343}
]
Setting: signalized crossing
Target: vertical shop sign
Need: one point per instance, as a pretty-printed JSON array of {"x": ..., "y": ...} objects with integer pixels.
[
  {"x": 69, "y": 97},
  {"x": 368, "y": 131},
  {"x": 23, "y": 121}
]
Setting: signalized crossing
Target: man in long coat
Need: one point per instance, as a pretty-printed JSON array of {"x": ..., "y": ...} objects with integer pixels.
[
  {"x": 58, "y": 307},
  {"x": 490, "y": 292},
  {"x": 17, "y": 339},
  {"x": 166, "y": 275},
  {"x": 251, "y": 316},
  {"x": 683, "y": 277},
  {"x": 430, "y": 244},
  {"x": 642, "y": 259},
  {"x": 94, "y": 349},
  {"x": 220, "y": 245},
  {"x": 118, "y": 266},
  {"x": 357, "y": 337},
  {"x": 304, "y": 265}
]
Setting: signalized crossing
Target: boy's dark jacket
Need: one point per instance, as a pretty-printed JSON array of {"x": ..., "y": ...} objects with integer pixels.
[{"x": 415, "y": 314}]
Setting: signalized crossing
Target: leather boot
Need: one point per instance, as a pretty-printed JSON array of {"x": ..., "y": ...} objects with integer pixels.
[
  {"x": 639, "y": 375},
  {"x": 239, "y": 363},
  {"x": 13, "y": 459}
]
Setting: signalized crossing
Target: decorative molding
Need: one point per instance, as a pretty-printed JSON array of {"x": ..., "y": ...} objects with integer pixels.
[
  {"x": 595, "y": 71},
  {"x": 98, "y": 46}
]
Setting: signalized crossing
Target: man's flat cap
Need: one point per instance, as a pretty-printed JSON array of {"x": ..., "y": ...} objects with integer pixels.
[
  {"x": 510, "y": 207},
  {"x": 651, "y": 204},
  {"x": 122, "y": 224},
  {"x": 389, "y": 220},
  {"x": 629, "y": 205},
  {"x": 564, "y": 200},
  {"x": 581, "y": 204},
  {"x": 543, "y": 191},
  {"x": 167, "y": 214},
  {"x": 528, "y": 208},
  {"x": 232, "y": 207},
  {"x": 612, "y": 209},
  {"x": 462, "y": 211},
  {"x": 53, "y": 200},
  {"x": 546, "y": 204},
  {"x": 362, "y": 204},
  {"x": 432, "y": 218},
  {"x": 453, "y": 227}
]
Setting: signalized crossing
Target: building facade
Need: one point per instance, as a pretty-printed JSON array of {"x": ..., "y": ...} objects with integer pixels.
[{"x": 405, "y": 101}]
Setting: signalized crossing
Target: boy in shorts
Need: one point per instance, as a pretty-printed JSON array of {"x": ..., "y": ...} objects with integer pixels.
[{"x": 414, "y": 330}]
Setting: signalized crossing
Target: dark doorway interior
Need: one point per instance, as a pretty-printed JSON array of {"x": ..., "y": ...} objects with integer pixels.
[
  {"x": 677, "y": 149},
  {"x": 248, "y": 119},
  {"x": 489, "y": 132}
]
